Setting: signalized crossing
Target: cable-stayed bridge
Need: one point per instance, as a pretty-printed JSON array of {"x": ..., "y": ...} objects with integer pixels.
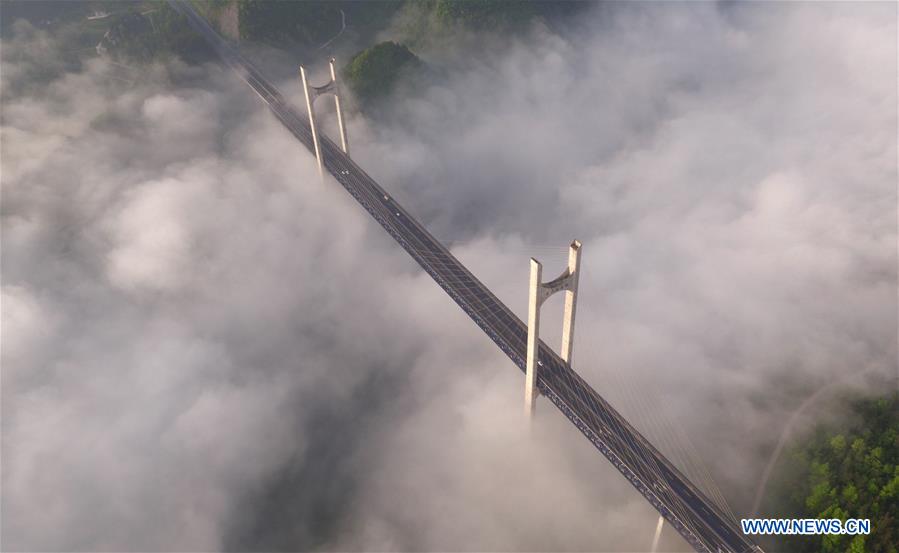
[{"x": 701, "y": 522}]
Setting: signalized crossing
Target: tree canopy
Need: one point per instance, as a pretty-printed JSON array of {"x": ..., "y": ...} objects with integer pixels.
[
  {"x": 373, "y": 73},
  {"x": 852, "y": 472}
]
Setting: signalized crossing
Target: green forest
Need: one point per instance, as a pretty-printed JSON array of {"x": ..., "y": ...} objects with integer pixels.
[
  {"x": 373, "y": 73},
  {"x": 847, "y": 472},
  {"x": 144, "y": 31}
]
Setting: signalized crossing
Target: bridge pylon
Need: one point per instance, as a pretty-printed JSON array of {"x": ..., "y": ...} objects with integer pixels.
[
  {"x": 538, "y": 293},
  {"x": 313, "y": 92}
]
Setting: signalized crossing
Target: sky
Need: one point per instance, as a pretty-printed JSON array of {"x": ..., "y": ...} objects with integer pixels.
[{"x": 206, "y": 348}]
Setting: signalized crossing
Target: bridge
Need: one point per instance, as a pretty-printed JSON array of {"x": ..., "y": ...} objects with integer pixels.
[{"x": 686, "y": 508}]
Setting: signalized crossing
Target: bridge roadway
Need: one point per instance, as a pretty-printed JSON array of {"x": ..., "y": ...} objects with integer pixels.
[{"x": 682, "y": 504}]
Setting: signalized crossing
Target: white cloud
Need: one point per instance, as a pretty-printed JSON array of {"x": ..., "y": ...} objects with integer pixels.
[{"x": 206, "y": 348}]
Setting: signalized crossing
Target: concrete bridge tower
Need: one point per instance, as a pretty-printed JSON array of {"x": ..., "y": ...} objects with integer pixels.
[
  {"x": 313, "y": 92},
  {"x": 538, "y": 293}
]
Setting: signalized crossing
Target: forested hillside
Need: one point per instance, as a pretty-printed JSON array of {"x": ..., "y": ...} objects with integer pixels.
[{"x": 849, "y": 472}]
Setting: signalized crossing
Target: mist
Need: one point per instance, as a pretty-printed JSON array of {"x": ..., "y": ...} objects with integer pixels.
[{"x": 205, "y": 348}]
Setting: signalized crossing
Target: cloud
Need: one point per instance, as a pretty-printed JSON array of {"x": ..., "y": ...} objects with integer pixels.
[{"x": 205, "y": 348}]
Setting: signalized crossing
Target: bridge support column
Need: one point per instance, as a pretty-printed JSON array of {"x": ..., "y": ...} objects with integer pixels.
[
  {"x": 530, "y": 382},
  {"x": 574, "y": 261},
  {"x": 344, "y": 143},
  {"x": 313, "y": 92},
  {"x": 658, "y": 534},
  {"x": 310, "y": 97},
  {"x": 538, "y": 293}
]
